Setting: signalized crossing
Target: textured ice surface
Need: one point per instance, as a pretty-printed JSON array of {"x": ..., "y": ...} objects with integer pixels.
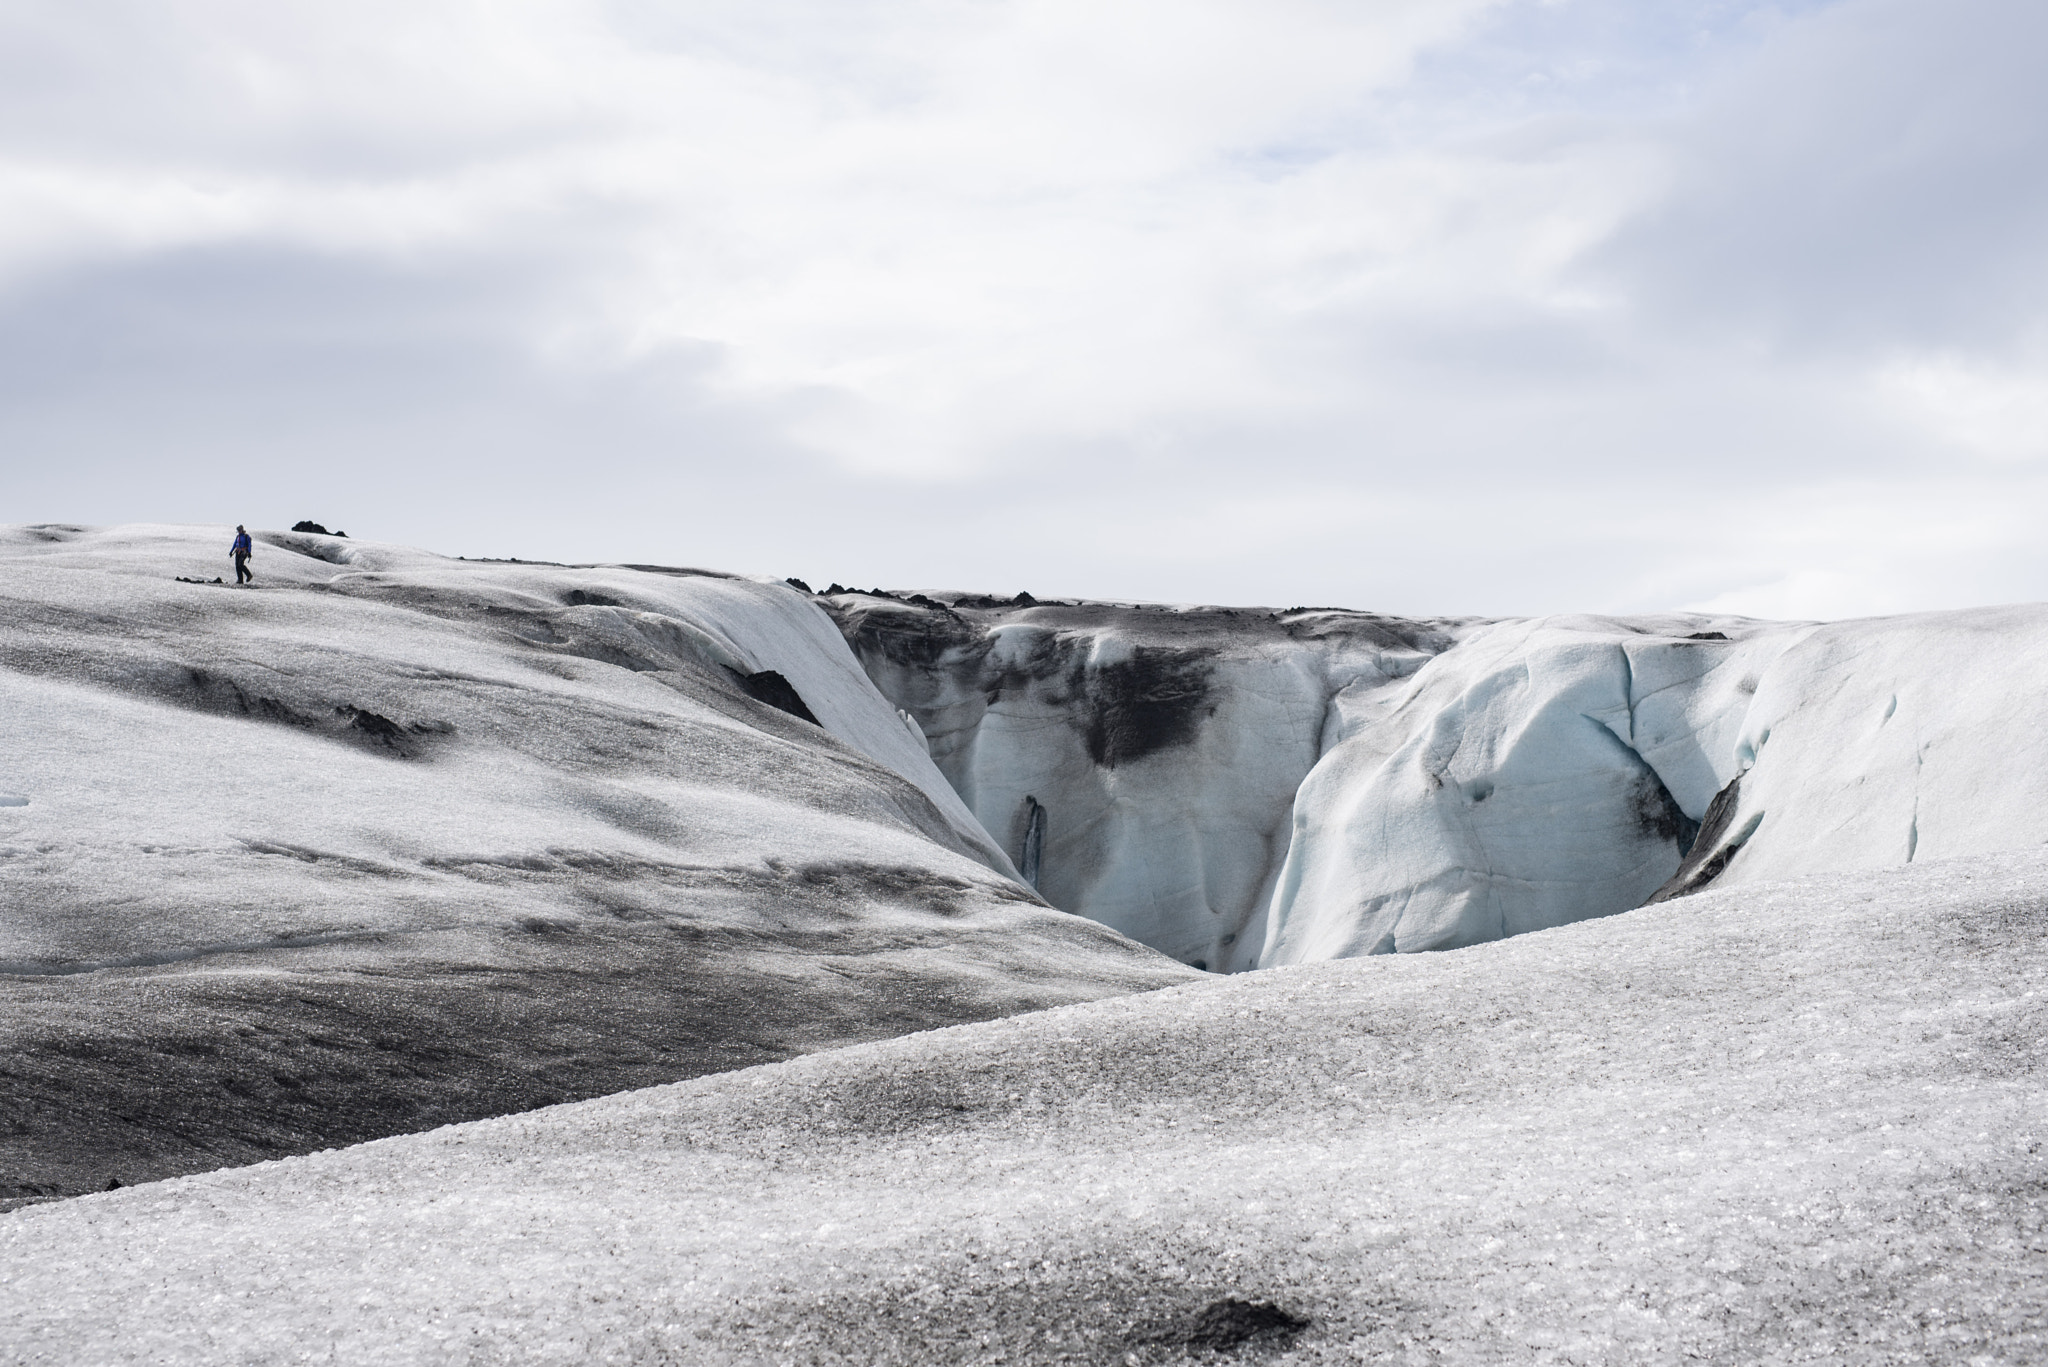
[
  {"x": 1896, "y": 739},
  {"x": 1795, "y": 1122},
  {"x": 390, "y": 840},
  {"x": 1538, "y": 773},
  {"x": 1241, "y": 788},
  {"x": 1157, "y": 750}
]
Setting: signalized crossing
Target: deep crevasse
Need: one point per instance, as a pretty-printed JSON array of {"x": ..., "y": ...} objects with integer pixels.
[{"x": 1241, "y": 788}]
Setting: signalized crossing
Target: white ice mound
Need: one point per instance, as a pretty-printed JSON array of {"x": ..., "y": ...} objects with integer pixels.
[
  {"x": 1886, "y": 741},
  {"x": 1541, "y": 773},
  {"x": 1550, "y": 771},
  {"x": 1242, "y": 788}
]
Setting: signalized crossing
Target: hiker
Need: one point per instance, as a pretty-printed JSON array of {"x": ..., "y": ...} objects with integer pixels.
[{"x": 240, "y": 554}]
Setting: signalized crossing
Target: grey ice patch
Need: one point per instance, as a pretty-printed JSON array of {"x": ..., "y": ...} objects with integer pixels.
[{"x": 13, "y": 800}]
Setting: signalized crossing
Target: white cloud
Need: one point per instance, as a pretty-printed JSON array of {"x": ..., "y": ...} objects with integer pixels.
[
  {"x": 1551, "y": 305},
  {"x": 1981, "y": 405},
  {"x": 976, "y": 224}
]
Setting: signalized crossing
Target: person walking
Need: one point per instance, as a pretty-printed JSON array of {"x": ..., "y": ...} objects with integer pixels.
[{"x": 240, "y": 554}]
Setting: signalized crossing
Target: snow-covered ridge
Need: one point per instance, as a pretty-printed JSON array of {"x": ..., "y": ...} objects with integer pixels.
[
  {"x": 389, "y": 840},
  {"x": 1246, "y": 788}
]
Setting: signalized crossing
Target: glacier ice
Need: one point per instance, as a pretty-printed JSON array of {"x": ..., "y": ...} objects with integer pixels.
[
  {"x": 1795, "y": 1122},
  {"x": 393, "y": 840},
  {"x": 1144, "y": 760},
  {"x": 564, "y": 829},
  {"x": 1244, "y": 788}
]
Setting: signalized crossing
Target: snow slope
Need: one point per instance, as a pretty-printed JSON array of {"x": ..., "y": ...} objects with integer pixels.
[
  {"x": 1242, "y": 788},
  {"x": 390, "y": 840},
  {"x": 1778, "y": 1123}
]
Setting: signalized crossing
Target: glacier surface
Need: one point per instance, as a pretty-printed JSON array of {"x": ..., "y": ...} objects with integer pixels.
[
  {"x": 1242, "y": 788},
  {"x": 1777, "y": 1123},
  {"x": 391, "y": 840}
]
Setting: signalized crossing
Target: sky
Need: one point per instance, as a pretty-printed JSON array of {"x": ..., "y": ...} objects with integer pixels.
[{"x": 1427, "y": 306}]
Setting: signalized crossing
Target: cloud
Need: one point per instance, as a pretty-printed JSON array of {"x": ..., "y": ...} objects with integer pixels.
[
  {"x": 1871, "y": 178},
  {"x": 1495, "y": 305}
]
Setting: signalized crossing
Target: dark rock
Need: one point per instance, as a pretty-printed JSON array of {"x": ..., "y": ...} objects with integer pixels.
[
  {"x": 370, "y": 723},
  {"x": 1658, "y": 814},
  {"x": 1032, "y": 852},
  {"x": 383, "y": 732},
  {"x": 312, "y": 527}
]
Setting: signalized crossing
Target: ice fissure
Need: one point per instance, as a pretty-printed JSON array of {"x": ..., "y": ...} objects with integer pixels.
[
  {"x": 1033, "y": 850},
  {"x": 1243, "y": 788},
  {"x": 1712, "y": 845}
]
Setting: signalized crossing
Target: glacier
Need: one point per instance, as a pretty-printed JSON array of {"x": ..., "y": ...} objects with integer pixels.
[
  {"x": 393, "y": 840},
  {"x": 1779, "y": 1123},
  {"x": 421, "y": 960},
  {"x": 1247, "y": 788}
]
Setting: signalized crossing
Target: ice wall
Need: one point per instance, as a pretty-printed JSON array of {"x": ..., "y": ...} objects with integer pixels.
[
  {"x": 1885, "y": 741},
  {"x": 1542, "y": 773},
  {"x": 1141, "y": 761},
  {"x": 1245, "y": 788}
]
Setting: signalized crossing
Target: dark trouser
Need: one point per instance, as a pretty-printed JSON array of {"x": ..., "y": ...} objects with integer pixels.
[{"x": 242, "y": 575}]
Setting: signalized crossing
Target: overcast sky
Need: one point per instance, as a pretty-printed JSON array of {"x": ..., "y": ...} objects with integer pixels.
[{"x": 1459, "y": 306}]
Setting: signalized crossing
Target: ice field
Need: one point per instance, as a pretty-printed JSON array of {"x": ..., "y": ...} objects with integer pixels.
[
  {"x": 392, "y": 840},
  {"x": 485, "y": 961},
  {"x": 1796, "y": 1122}
]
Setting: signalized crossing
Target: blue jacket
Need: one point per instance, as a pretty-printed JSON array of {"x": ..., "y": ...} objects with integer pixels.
[{"x": 242, "y": 546}]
